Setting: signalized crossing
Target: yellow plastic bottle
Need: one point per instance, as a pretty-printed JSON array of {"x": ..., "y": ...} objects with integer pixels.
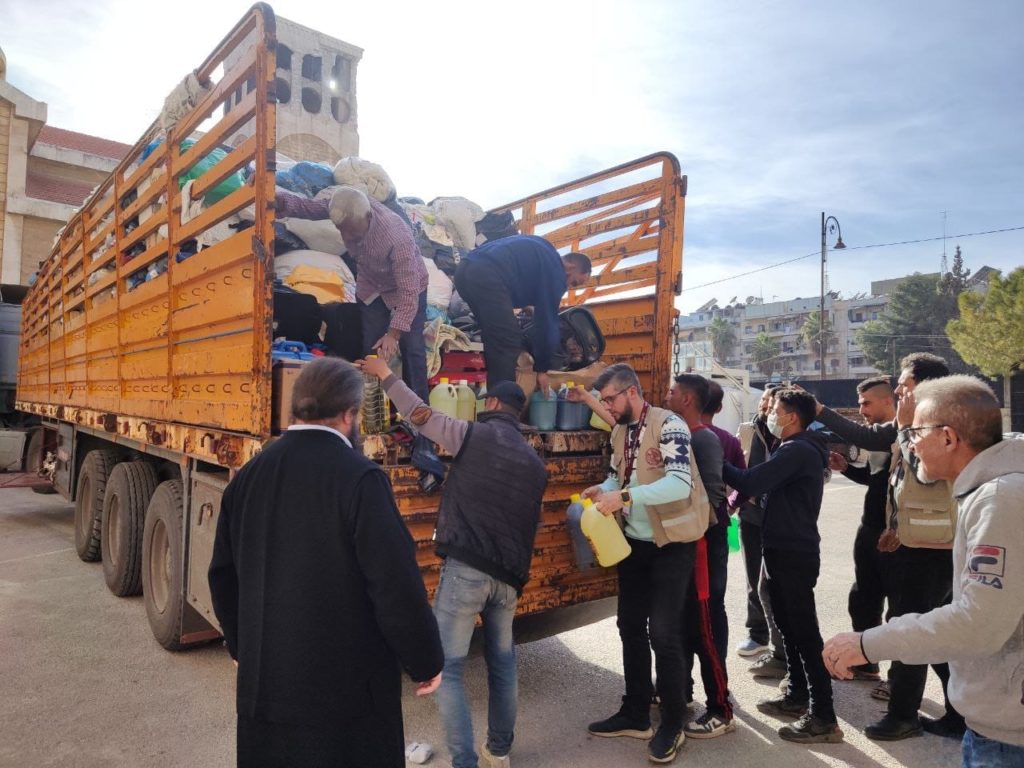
[
  {"x": 466, "y": 401},
  {"x": 445, "y": 398},
  {"x": 605, "y": 536},
  {"x": 596, "y": 422}
]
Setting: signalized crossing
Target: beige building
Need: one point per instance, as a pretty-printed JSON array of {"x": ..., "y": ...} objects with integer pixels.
[
  {"x": 45, "y": 175},
  {"x": 782, "y": 322}
]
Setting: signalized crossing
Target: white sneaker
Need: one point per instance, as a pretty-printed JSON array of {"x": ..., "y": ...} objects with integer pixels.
[
  {"x": 493, "y": 760},
  {"x": 709, "y": 726},
  {"x": 751, "y": 648}
]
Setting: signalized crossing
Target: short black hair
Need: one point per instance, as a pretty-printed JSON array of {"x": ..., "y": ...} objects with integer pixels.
[
  {"x": 715, "y": 396},
  {"x": 924, "y": 366},
  {"x": 698, "y": 385},
  {"x": 579, "y": 260},
  {"x": 801, "y": 403},
  {"x": 770, "y": 386},
  {"x": 874, "y": 381}
]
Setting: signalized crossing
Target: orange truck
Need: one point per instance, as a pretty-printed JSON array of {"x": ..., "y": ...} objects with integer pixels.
[{"x": 151, "y": 394}]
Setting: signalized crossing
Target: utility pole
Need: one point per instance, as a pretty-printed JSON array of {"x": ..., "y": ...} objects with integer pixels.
[{"x": 826, "y": 227}]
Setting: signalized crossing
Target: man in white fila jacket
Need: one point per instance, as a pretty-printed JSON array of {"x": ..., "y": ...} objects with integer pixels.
[{"x": 957, "y": 436}]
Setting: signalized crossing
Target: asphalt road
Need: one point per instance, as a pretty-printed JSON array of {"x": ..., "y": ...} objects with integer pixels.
[{"x": 82, "y": 682}]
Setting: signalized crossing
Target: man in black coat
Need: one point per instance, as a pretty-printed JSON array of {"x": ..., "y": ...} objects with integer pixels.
[{"x": 316, "y": 588}]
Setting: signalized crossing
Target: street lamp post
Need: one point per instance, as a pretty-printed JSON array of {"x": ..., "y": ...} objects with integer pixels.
[{"x": 828, "y": 225}]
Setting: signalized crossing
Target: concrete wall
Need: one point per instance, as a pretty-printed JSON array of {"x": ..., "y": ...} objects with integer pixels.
[{"x": 37, "y": 242}]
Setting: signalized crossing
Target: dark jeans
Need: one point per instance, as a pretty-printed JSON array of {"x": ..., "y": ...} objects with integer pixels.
[
  {"x": 653, "y": 584},
  {"x": 705, "y": 608},
  {"x": 791, "y": 580},
  {"x": 757, "y": 624},
  {"x": 919, "y": 580},
  {"x": 376, "y": 319},
  {"x": 867, "y": 595},
  {"x": 487, "y": 295}
]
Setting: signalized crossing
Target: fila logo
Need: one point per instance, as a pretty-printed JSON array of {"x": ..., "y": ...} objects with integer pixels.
[{"x": 987, "y": 565}]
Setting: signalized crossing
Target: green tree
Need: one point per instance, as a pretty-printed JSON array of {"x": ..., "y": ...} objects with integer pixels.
[
  {"x": 765, "y": 353},
  {"x": 990, "y": 330},
  {"x": 914, "y": 321},
  {"x": 955, "y": 282},
  {"x": 723, "y": 338},
  {"x": 811, "y": 330}
]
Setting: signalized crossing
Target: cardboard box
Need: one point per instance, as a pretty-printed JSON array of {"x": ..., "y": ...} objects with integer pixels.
[{"x": 285, "y": 372}]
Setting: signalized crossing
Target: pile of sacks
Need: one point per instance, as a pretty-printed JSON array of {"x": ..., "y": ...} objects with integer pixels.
[{"x": 310, "y": 256}]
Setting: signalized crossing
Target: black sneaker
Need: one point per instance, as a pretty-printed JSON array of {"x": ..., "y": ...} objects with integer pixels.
[
  {"x": 783, "y": 707},
  {"x": 892, "y": 728},
  {"x": 810, "y": 729},
  {"x": 768, "y": 666},
  {"x": 946, "y": 726},
  {"x": 623, "y": 723},
  {"x": 869, "y": 672},
  {"x": 666, "y": 742}
]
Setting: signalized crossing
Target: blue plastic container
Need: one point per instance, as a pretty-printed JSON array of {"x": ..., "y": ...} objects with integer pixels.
[
  {"x": 290, "y": 350},
  {"x": 543, "y": 411}
]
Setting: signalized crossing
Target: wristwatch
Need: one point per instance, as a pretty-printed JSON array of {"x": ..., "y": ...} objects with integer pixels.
[{"x": 624, "y": 495}]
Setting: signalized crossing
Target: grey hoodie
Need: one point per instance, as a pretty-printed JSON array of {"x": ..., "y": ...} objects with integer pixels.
[{"x": 980, "y": 633}]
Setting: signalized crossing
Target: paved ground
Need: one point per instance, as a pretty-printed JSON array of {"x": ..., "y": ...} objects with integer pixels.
[{"x": 82, "y": 682}]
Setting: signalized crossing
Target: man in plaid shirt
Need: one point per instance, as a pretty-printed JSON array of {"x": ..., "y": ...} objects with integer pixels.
[{"x": 391, "y": 280}]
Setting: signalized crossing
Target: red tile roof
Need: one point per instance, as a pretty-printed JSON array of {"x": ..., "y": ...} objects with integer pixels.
[
  {"x": 82, "y": 142},
  {"x": 43, "y": 187}
]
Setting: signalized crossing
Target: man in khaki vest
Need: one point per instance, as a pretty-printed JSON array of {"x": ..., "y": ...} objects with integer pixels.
[
  {"x": 920, "y": 578},
  {"x": 650, "y": 486}
]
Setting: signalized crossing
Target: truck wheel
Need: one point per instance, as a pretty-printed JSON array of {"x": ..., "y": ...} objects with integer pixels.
[
  {"x": 92, "y": 483},
  {"x": 162, "y": 578},
  {"x": 129, "y": 490}
]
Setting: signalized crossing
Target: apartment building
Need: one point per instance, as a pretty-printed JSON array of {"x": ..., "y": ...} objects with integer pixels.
[{"x": 782, "y": 322}]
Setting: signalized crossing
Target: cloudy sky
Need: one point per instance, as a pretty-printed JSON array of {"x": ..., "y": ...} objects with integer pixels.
[{"x": 883, "y": 114}]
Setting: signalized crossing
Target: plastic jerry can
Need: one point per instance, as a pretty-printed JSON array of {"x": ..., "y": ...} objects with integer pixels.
[
  {"x": 733, "y": 534},
  {"x": 596, "y": 422},
  {"x": 376, "y": 406},
  {"x": 444, "y": 398},
  {"x": 605, "y": 537},
  {"x": 466, "y": 401},
  {"x": 481, "y": 402},
  {"x": 580, "y": 546},
  {"x": 543, "y": 411},
  {"x": 570, "y": 415}
]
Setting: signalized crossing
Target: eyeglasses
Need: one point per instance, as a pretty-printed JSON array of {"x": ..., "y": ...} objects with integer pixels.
[
  {"x": 607, "y": 401},
  {"x": 914, "y": 433}
]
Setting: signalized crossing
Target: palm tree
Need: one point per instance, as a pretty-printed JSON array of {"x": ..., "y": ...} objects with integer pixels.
[
  {"x": 811, "y": 329},
  {"x": 723, "y": 338},
  {"x": 765, "y": 352}
]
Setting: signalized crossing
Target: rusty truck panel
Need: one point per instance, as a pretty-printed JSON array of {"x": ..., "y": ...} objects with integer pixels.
[{"x": 179, "y": 366}]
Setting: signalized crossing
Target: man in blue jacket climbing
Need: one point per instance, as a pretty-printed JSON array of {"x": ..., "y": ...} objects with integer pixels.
[
  {"x": 793, "y": 481},
  {"x": 511, "y": 273}
]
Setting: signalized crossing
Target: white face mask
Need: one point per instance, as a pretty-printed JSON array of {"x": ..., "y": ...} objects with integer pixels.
[{"x": 773, "y": 424}]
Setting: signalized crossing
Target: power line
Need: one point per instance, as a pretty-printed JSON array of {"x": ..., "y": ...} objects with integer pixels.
[{"x": 851, "y": 248}]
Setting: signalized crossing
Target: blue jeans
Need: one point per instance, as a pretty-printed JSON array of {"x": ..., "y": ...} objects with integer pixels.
[
  {"x": 980, "y": 752},
  {"x": 463, "y": 594}
]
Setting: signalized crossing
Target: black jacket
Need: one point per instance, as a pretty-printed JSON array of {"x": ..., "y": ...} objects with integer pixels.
[
  {"x": 492, "y": 500},
  {"x": 315, "y": 583},
  {"x": 794, "y": 479},
  {"x": 874, "y": 499}
]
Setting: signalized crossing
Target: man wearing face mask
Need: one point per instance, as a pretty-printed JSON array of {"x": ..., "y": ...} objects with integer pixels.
[
  {"x": 921, "y": 577},
  {"x": 793, "y": 479}
]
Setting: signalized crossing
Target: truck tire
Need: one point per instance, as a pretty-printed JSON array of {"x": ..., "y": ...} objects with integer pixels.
[
  {"x": 129, "y": 489},
  {"x": 162, "y": 577},
  {"x": 92, "y": 483}
]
